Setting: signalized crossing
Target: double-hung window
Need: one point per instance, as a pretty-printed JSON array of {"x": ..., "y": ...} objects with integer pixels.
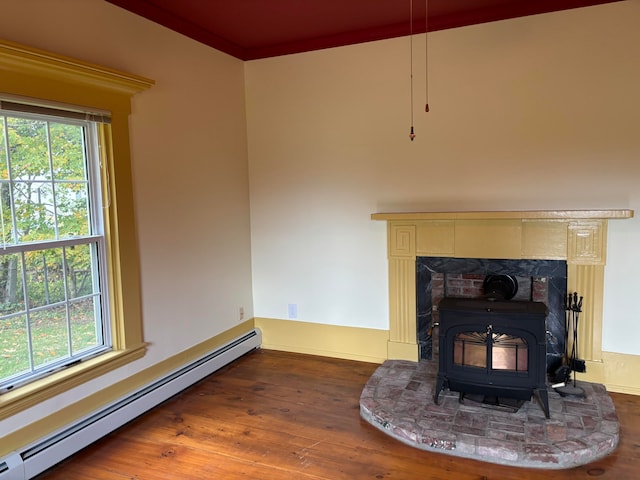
[
  {"x": 70, "y": 305},
  {"x": 53, "y": 288}
]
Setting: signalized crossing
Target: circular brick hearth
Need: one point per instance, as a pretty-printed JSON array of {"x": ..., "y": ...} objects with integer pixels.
[{"x": 398, "y": 399}]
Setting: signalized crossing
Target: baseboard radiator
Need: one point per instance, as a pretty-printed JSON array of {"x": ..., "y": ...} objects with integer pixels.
[{"x": 47, "y": 452}]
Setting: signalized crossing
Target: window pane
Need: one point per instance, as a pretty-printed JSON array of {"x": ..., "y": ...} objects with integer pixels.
[
  {"x": 28, "y": 149},
  {"x": 67, "y": 151},
  {"x": 14, "y": 351},
  {"x": 73, "y": 209},
  {"x": 49, "y": 335},
  {"x": 45, "y": 283},
  {"x": 6, "y": 216},
  {"x": 82, "y": 279},
  {"x": 11, "y": 287},
  {"x": 85, "y": 331},
  {"x": 34, "y": 211}
]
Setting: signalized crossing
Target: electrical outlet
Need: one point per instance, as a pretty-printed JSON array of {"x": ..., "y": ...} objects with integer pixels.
[
  {"x": 292, "y": 310},
  {"x": 241, "y": 313}
]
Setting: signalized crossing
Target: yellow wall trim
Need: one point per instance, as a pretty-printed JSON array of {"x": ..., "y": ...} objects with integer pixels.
[
  {"x": 31, "y": 61},
  {"x": 351, "y": 343},
  {"x": 617, "y": 371},
  {"x": 403, "y": 351}
]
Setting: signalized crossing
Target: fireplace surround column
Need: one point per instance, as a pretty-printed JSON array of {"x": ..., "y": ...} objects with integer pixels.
[{"x": 403, "y": 337}]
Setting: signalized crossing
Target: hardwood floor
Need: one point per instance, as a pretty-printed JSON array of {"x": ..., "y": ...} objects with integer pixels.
[{"x": 274, "y": 415}]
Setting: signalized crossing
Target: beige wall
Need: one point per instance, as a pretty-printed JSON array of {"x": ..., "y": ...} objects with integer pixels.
[
  {"x": 541, "y": 112},
  {"x": 188, "y": 138}
]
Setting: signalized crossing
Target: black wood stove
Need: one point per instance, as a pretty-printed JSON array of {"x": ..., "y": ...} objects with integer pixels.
[{"x": 493, "y": 347}]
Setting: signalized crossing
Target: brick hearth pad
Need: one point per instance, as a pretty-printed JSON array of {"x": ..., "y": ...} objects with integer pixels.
[{"x": 398, "y": 399}]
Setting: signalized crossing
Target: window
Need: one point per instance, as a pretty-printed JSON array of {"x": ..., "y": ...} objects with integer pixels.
[
  {"x": 66, "y": 259},
  {"x": 53, "y": 286}
]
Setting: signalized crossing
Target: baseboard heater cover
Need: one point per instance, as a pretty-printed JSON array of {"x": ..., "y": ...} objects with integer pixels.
[{"x": 47, "y": 452}]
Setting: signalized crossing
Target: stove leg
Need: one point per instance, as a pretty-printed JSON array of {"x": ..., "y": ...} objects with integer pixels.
[
  {"x": 543, "y": 399},
  {"x": 439, "y": 385}
]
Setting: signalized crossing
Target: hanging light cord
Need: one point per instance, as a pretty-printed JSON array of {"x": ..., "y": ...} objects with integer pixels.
[
  {"x": 412, "y": 135},
  {"x": 426, "y": 55}
]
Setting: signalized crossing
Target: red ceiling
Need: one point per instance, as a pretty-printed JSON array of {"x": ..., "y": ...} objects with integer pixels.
[{"x": 252, "y": 29}]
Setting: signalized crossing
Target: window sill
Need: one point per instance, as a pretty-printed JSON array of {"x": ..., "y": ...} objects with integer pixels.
[{"x": 33, "y": 393}]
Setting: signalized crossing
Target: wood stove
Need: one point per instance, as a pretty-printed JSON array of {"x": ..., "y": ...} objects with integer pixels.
[{"x": 493, "y": 347}]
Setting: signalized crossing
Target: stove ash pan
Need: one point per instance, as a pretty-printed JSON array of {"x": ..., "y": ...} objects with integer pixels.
[{"x": 493, "y": 348}]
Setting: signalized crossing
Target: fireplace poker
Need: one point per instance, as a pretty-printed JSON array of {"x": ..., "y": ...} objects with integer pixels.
[
  {"x": 563, "y": 372},
  {"x": 573, "y": 307},
  {"x": 576, "y": 308}
]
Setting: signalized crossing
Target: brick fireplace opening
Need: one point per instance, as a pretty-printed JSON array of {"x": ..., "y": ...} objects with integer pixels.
[{"x": 542, "y": 281}]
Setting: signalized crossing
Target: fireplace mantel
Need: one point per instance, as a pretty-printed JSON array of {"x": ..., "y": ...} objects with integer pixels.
[
  {"x": 576, "y": 236},
  {"x": 519, "y": 215}
]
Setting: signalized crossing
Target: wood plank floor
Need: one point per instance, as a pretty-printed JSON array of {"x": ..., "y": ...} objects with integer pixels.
[{"x": 274, "y": 416}]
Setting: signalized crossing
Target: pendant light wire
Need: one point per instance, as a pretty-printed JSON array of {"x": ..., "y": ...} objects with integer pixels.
[
  {"x": 412, "y": 135},
  {"x": 426, "y": 55}
]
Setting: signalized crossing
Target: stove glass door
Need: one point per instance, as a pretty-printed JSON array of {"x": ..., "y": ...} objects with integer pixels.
[{"x": 500, "y": 351}]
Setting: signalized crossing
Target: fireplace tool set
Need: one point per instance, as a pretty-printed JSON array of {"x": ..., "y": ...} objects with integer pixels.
[{"x": 564, "y": 386}]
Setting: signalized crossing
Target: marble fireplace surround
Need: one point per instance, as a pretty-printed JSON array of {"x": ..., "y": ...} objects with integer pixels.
[{"x": 578, "y": 237}]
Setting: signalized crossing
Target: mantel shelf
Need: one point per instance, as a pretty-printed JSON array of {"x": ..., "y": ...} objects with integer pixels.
[{"x": 498, "y": 215}]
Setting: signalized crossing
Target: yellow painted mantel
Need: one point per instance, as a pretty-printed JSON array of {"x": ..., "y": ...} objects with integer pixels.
[{"x": 577, "y": 236}]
